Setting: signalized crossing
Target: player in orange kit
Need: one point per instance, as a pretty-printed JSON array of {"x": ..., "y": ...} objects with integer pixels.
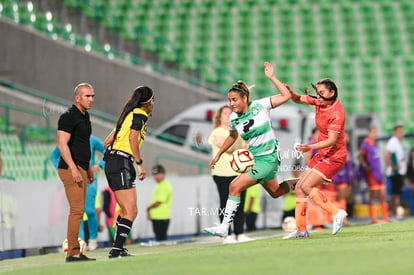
[
  {"x": 370, "y": 161},
  {"x": 331, "y": 156}
]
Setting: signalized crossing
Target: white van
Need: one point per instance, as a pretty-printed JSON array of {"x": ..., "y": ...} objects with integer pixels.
[{"x": 192, "y": 127}]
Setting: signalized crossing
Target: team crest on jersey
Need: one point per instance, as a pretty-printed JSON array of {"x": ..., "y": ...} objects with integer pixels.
[{"x": 255, "y": 111}]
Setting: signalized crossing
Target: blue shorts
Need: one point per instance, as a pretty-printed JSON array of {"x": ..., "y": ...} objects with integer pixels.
[{"x": 265, "y": 167}]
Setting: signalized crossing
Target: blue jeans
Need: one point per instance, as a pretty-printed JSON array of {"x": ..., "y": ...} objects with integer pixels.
[{"x": 90, "y": 211}]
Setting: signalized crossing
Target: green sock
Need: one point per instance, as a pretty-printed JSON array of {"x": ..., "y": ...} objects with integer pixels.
[{"x": 235, "y": 199}]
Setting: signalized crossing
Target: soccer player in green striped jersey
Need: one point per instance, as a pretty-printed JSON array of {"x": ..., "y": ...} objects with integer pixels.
[{"x": 251, "y": 120}]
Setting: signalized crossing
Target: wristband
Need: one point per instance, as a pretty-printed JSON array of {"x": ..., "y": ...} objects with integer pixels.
[{"x": 139, "y": 162}]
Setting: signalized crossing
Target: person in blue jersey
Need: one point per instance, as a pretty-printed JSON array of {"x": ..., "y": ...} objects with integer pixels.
[
  {"x": 251, "y": 120},
  {"x": 91, "y": 192}
]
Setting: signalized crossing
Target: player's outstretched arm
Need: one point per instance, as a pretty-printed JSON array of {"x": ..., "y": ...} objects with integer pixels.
[
  {"x": 300, "y": 99},
  {"x": 330, "y": 141},
  {"x": 284, "y": 92},
  {"x": 228, "y": 142}
]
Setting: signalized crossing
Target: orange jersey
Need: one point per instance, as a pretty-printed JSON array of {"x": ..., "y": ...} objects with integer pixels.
[{"x": 327, "y": 119}]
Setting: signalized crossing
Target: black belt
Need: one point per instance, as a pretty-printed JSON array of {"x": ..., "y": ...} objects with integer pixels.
[{"x": 122, "y": 154}]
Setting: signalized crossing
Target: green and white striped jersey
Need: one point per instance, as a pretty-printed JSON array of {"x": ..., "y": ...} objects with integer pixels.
[{"x": 255, "y": 127}]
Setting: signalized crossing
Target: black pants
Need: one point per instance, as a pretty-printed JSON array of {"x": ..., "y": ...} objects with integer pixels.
[
  {"x": 160, "y": 228},
  {"x": 397, "y": 184},
  {"x": 223, "y": 184},
  {"x": 86, "y": 231},
  {"x": 250, "y": 221}
]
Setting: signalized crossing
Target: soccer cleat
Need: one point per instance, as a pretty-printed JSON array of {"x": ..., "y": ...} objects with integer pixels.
[
  {"x": 229, "y": 240},
  {"x": 118, "y": 253},
  {"x": 92, "y": 244},
  {"x": 297, "y": 234},
  {"x": 381, "y": 221},
  {"x": 79, "y": 259},
  {"x": 219, "y": 231},
  {"x": 338, "y": 221},
  {"x": 241, "y": 238}
]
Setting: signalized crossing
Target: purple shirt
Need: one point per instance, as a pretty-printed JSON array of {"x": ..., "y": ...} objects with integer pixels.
[
  {"x": 346, "y": 174},
  {"x": 370, "y": 152}
]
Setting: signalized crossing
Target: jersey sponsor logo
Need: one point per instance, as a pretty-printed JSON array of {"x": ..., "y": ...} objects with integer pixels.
[
  {"x": 254, "y": 172},
  {"x": 255, "y": 111},
  {"x": 247, "y": 125}
]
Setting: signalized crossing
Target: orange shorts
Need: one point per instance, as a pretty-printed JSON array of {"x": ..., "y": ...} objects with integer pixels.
[
  {"x": 373, "y": 184},
  {"x": 326, "y": 167}
]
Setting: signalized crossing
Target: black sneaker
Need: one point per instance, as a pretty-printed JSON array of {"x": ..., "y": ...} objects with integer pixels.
[
  {"x": 79, "y": 259},
  {"x": 114, "y": 253}
]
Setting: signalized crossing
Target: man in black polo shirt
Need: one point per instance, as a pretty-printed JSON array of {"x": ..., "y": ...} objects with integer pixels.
[{"x": 74, "y": 130}]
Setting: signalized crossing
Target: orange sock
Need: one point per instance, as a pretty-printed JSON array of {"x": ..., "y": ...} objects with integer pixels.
[
  {"x": 326, "y": 216},
  {"x": 322, "y": 200},
  {"x": 311, "y": 215},
  {"x": 372, "y": 212},
  {"x": 315, "y": 215},
  {"x": 300, "y": 213},
  {"x": 384, "y": 211},
  {"x": 342, "y": 204}
]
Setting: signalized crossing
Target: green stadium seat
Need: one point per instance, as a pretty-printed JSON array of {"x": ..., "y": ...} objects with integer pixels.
[
  {"x": 46, "y": 23},
  {"x": 305, "y": 70},
  {"x": 129, "y": 30},
  {"x": 187, "y": 62},
  {"x": 76, "y": 4},
  {"x": 26, "y": 13},
  {"x": 147, "y": 41},
  {"x": 168, "y": 52},
  {"x": 9, "y": 9},
  {"x": 93, "y": 9},
  {"x": 407, "y": 11}
]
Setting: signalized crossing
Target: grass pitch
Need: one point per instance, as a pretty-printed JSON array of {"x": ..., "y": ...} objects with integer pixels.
[{"x": 360, "y": 249}]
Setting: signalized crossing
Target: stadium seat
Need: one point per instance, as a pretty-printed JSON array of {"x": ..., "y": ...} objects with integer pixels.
[
  {"x": 73, "y": 3},
  {"x": 93, "y": 9},
  {"x": 112, "y": 19},
  {"x": 9, "y": 9},
  {"x": 308, "y": 39}
]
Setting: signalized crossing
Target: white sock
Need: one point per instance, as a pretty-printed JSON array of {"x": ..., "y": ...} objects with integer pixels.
[{"x": 231, "y": 207}]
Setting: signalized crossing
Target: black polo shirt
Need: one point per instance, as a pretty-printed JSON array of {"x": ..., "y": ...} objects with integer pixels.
[{"x": 79, "y": 126}]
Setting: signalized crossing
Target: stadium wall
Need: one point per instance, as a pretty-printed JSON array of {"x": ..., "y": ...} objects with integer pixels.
[
  {"x": 52, "y": 66},
  {"x": 35, "y": 213}
]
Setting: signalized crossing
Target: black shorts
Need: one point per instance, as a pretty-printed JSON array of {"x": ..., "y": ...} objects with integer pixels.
[
  {"x": 397, "y": 183},
  {"x": 120, "y": 172}
]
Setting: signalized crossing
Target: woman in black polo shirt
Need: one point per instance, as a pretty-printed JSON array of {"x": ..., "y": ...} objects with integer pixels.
[{"x": 123, "y": 145}]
